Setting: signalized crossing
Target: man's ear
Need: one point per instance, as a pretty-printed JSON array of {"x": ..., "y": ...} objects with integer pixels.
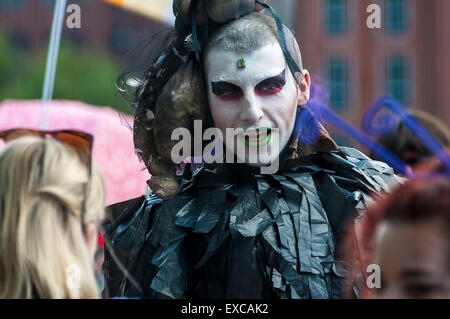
[{"x": 304, "y": 86}]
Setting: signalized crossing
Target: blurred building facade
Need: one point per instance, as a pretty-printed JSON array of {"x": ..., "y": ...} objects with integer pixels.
[
  {"x": 408, "y": 57},
  {"x": 27, "y": 24}
]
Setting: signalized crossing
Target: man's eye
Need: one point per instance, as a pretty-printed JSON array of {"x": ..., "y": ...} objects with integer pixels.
[
  {"x": 419, "y": 290},
  {"x": 272, "y": 85},
  {"x": 226, "y": 90}
]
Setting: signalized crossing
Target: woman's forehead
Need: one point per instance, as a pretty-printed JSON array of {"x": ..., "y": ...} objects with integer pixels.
[{"x": 230, "y": 66}]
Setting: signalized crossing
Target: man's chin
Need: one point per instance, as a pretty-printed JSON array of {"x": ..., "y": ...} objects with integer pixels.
[{"x": 266, "y": 161}]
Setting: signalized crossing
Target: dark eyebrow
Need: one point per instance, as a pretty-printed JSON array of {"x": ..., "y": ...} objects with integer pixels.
[
  {"x": 280, "y": 78},
  {"x": 220, "y": 87},
  {"x": 222, "y": 83},
  {"x": 407, "y": 273}
]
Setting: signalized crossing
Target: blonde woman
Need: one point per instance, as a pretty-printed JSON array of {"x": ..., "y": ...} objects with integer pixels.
[{"x": 51, "y": 203}]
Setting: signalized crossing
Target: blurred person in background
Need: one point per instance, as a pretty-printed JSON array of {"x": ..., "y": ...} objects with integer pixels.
[
  {"x": 51, "y": 203},
  {"x": 404, "y": 144},
  {"x": 431, "y": 165},
  {"x": 408, "y": 237}
]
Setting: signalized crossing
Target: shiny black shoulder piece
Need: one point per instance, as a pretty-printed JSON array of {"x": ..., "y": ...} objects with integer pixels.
[{"x": 233, "y": 233}]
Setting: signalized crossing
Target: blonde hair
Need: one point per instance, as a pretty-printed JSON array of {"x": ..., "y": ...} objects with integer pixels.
[{"x": 41, "y": 236}]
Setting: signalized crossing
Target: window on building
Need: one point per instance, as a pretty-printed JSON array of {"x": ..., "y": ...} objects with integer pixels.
[
  {"x": 13, "y": 5},
  {"x": 337, "y": 77},
  {"x": 76, "y": 38},
  {"x": 396, "y": 15},
  {"x": 397, "y": 78},
  {"x": 50, "y": 4},
  {"x": 123, "y": 39},
  {"x": 335, "y": 16},
  {"x": 19, "y": 40}
]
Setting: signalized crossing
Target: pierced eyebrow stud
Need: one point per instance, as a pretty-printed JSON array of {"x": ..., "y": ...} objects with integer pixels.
[{"x": 241, "y": 64}]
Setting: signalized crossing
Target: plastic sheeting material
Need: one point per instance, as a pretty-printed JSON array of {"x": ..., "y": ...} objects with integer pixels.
[{"x": 233, "y": 233}]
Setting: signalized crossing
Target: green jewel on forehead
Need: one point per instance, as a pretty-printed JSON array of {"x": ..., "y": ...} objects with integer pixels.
[{"x": 241, "y": 64}]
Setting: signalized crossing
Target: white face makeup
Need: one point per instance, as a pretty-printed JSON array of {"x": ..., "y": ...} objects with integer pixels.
[{"x": 263, "y": 95}]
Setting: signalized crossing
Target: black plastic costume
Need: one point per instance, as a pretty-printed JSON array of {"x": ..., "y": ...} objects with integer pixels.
[{"x": 232, "y": 233}]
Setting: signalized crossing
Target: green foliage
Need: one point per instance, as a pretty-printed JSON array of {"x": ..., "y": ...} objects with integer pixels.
[
  {"x": 10, "y": 64},
  {"x": 82, "y": 74}
]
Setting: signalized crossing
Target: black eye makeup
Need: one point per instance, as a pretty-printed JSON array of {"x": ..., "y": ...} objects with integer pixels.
[
  {"x": 422, "y": 289},
  {"x": 226, "y": 90},
  {"x": 272, "y": 85},
  {"x": 229, "y": 91}
]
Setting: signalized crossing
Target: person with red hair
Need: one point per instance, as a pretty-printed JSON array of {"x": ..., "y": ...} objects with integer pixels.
[{"x": 401, "y": 248}]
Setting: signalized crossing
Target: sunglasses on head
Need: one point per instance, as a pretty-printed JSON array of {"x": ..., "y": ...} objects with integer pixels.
[
  {"x": 77, "y": 139},
  {"x": 80, "y": 141}
]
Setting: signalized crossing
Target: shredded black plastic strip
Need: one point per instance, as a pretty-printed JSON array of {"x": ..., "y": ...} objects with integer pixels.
[{"x": 122, "y": 268}]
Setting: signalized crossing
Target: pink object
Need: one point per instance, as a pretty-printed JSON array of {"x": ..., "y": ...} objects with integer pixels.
[
  {"x": 113, "y": 139},
  {"x": 100, "y": 240}
]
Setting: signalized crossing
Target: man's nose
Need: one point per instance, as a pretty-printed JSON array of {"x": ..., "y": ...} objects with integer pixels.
[{"x": 251, "y": 111}]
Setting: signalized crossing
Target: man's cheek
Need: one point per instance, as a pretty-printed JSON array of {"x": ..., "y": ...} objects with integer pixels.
[
  {"x": 225, "y": 115},
  {"x": 221, "y": 120}
]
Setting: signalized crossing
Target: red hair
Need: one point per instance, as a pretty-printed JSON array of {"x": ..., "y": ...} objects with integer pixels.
[{"x": 417, "y": 200}]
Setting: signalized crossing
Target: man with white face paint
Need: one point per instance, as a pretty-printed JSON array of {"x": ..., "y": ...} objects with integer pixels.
[
  {"x": 263, "y": 95},
  {"x": 227, "y": 230},
  {"x": 251, "y": 87}
]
